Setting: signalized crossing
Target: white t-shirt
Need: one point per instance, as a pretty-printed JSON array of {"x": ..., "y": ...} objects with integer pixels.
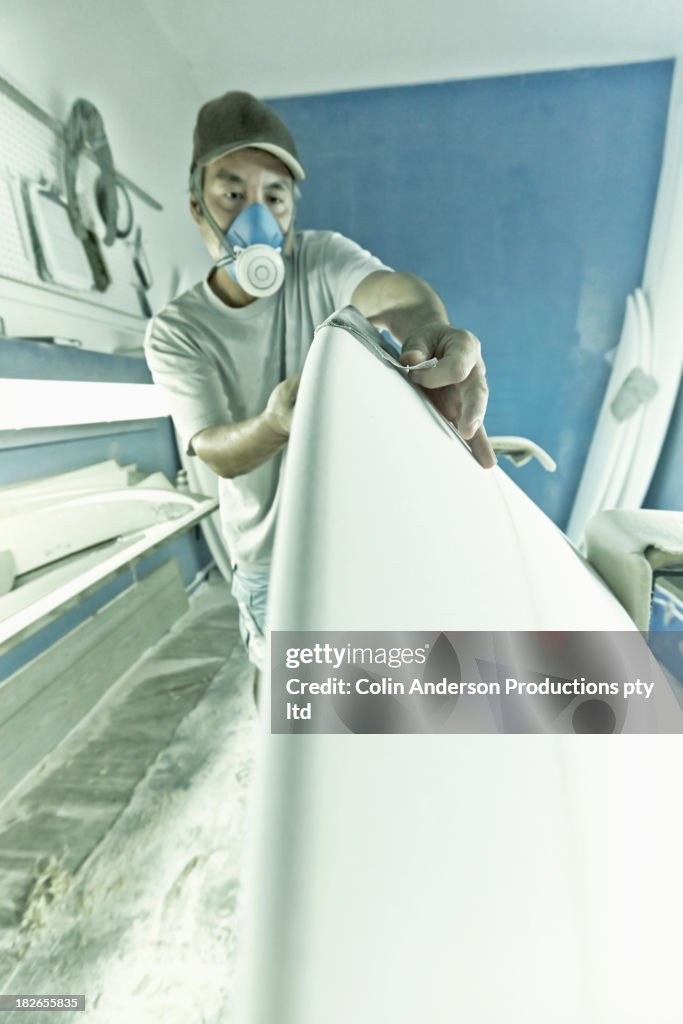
[{"x": 219, "y": 364}]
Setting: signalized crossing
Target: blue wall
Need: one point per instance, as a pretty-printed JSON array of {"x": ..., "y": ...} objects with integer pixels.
[
  {"x": 666, "y": 489},
  {"x": 526, "y": 202},
  {"x": 150, "y": 444}
]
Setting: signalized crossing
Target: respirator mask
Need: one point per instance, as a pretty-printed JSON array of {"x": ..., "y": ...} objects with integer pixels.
[{"x": 254, "y": 243}]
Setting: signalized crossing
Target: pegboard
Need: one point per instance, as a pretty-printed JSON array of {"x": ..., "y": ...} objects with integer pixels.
[{"x": 33, "y": 152}]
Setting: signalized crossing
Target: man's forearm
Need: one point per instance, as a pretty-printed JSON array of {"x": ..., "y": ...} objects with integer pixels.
[
  {"x": 237, "y": 448},
  {"x": 400, "y": 303}
]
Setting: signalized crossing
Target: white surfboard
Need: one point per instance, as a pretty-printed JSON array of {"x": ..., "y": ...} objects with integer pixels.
[
  {"x": 451, "y": 877},
  {"x": 434, "y": 878},
  {"x": 40, "y": 535}
]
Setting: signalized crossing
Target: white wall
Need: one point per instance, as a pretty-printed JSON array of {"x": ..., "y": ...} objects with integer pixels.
[{"x": 58, "y": 52}]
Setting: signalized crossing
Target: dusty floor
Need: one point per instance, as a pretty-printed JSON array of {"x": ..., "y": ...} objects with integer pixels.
[{"x": 133, "y": 829}]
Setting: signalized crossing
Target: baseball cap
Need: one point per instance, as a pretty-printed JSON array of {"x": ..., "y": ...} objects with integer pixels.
[{"x": 237, "y": 120}]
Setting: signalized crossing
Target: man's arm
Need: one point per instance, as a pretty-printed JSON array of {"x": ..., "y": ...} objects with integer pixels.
[
  {"x": 406, "y": 306},
  {"x": 233, "y": 449}
]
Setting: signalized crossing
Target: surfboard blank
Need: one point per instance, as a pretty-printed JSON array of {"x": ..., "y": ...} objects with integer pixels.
[{"x": 441, "y": 878}]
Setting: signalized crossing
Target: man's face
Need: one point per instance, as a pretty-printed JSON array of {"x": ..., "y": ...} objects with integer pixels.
[{"x": 235, "y": 181}]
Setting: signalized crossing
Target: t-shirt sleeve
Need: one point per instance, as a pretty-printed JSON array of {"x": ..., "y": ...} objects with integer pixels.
[
  {"x": 186, "y": 376},
  {"x": 344, "y": 264}
]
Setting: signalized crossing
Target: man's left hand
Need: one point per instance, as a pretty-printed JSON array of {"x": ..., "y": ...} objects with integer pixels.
[{"x": 457, "y": 384}]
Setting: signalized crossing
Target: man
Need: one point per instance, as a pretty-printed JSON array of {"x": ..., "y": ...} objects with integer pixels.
[{"x": 229, "y": 351}]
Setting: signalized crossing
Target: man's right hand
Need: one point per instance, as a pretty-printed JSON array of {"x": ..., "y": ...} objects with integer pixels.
[
  {"x": 232, "y": 449},
  {"x": 280, "y": 408}
]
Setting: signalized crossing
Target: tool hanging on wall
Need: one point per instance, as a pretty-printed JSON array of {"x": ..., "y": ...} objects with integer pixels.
[
  {"x": 102, "y": 200},
  {"x": 98, "y": 264},
  {"x": 144, "y": 274},
  {"x": 84, "y": 129},
  {"x": 61, "y": 258}
]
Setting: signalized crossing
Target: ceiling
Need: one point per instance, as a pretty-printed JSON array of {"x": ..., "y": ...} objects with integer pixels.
[
  {"x": 310, "y": 46},
  {"x": 302, "y": 46}
]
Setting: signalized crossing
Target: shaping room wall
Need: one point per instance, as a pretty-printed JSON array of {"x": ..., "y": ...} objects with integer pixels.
[{"x": 526, "y": 201}]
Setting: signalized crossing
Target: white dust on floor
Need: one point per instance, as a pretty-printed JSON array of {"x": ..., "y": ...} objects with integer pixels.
[{"x": 148, "y": 928}]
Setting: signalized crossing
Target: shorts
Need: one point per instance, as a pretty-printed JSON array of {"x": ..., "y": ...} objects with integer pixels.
[{"x": 250, "y": 590}]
